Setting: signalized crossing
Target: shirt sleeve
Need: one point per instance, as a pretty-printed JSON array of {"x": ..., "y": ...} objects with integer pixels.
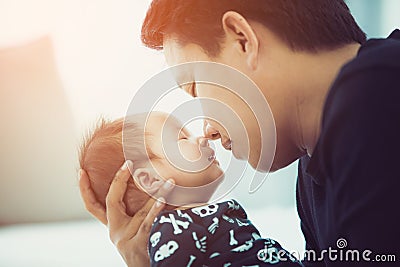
[
  {"x": 176, "y": 240},
  {"x": 361, "y": 155}
]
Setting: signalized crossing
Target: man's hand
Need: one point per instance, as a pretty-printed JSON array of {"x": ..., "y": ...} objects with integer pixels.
[{"x": 129, "y": 234}]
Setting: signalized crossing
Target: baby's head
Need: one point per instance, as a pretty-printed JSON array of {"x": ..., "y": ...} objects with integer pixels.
[{"x": 102, "y": 154}]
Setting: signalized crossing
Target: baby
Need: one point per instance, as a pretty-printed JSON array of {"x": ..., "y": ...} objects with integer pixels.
[{"x": 208, "y": 235}]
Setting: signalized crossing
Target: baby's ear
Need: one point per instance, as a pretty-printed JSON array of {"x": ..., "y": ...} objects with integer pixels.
[{"x": 147, "y": 180}]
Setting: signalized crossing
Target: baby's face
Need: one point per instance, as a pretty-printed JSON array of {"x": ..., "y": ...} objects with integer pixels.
[{"x": 191, "y": 164}]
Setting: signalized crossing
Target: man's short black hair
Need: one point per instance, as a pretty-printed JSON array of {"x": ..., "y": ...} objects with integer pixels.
[{"x": 304, "y": 25}]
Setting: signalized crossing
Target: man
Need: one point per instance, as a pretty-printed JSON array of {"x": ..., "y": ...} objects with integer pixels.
[{"x": 334, "y": 100}]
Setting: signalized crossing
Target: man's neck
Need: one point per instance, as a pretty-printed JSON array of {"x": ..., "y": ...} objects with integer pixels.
[{"x": 320, "y": 71}]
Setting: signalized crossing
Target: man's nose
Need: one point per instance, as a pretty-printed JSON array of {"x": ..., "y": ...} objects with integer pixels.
[
  {"x": 203, "y": 142},
  {"x": 210, "y": 132}
]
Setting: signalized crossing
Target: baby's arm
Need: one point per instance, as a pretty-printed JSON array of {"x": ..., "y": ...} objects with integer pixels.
[{"x": 175, "y": 240}]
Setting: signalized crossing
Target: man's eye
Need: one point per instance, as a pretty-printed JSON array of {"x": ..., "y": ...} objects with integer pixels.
[
  {"x": 183, "y": 137},
  {"x": 193, "y": 90}
]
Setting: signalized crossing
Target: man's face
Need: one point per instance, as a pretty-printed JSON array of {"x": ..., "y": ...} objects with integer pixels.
[{"x": 178, "y": 54}]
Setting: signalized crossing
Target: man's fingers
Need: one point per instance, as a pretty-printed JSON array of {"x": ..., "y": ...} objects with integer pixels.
[
  {"x": 163, "y": 193},
  {"x": 165, "y": 190},
  {"x": 145, "y": 227},
  {"x": 116, "y": 210},
  {"x": 89, "y": 198},
  {"x": 145, "y": 216}
]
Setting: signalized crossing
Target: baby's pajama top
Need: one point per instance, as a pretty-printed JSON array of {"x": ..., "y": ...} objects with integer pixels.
[{"x": 215, "y": 235}]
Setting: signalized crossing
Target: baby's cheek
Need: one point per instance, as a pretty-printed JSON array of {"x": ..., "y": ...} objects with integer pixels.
[{"x": 189, "y": 152}]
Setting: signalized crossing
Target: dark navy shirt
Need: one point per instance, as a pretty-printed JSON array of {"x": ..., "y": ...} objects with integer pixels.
[
  {"x": 348, "y": 192},
  {"x": 217, "y": 235}
]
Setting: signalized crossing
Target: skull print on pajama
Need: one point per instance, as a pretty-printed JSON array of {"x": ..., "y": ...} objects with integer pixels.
[{"x": 215, "y": 235}]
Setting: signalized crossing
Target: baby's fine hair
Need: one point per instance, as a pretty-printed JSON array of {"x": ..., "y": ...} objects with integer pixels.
[{"x": 102, "y": 152}]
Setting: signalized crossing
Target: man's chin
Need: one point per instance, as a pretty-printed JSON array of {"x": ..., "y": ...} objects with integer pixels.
[
  {"x": 264, "y": 168},
  {"x": 258, "y": 167}
]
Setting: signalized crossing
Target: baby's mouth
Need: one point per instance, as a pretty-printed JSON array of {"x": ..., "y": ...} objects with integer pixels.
[{"x": 211, "y": 158}]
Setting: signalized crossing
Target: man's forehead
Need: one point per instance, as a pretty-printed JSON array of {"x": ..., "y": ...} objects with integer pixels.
[
  {"x": 172, "y": 51},
  {"x": 177, "y": 53}
]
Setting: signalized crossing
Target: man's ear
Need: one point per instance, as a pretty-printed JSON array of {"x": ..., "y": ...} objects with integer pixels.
[
  {"x": 147, "y": 180},
  {"x": 238, "y": 30}
]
